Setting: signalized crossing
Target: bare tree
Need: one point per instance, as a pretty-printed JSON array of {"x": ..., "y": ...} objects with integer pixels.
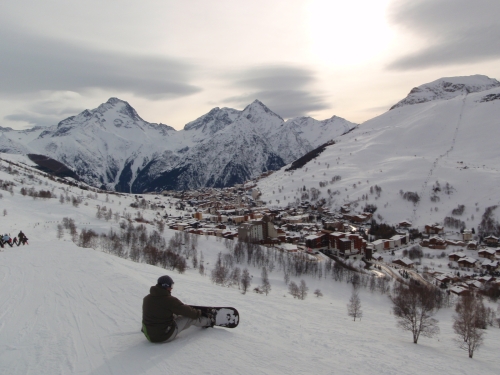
[
  {"x": 135, "y": 253},
  {"x": 201, "y": 266},
  {"x": 303, "y": 290},
  {"x": 235, "y": 277},
  {"x": 246, "y": 280},
  {"x": 195, "y": 261},
  {"x": 354, "y": 305},
  {"x": 293, "y": 289},
  {"x": 467, "y": 323},
  {"x": 60, "y": 231},
  {"x": 286, "y": 276},
  {"x": 414, "y": 307},
  {"x": 373, "y": 284},
  {"x": 220, "y": 273},
  {"x": 266, "y": 285}
]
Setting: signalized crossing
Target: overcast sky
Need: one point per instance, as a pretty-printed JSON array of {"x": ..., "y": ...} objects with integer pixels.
[{"x": 175, "y": 60}]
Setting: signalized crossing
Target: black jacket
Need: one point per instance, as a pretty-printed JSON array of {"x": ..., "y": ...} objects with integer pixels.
[{"x": 158, "y": 309}]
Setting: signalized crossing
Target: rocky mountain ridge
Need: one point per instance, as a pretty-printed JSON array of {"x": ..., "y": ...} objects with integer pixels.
[{"x": 112, "y": 147}]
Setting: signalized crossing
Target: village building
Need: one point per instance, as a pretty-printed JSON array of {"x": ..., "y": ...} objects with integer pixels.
[
  {"x": 237, "y": 219},
  {"x": 404, "y": 224},
  {"x": 258, "y": 230},
  {"x": 467, "y": 262},
  {"x": 486, "y": 279},
  {"x": 443, "y": 279},
  {"x": 472, "y": 245},
  {"x": 389, "y": 244},
  {"x": 491, "y": 241},
  {"x": 288, "y": 247},
  {"x": 474, "y": 284},
  {"x": 344, "y": 247},
  {"x": 434, "y": 229},
  {"x": 487, "y": 253},
  {"x": 333, "y": 225},
  {"x": 455, "y": 257},
  {"x": 434, "y": 242},
  {"x": 404, "y": 262},
  {"x": 251, "y": 232},
  {"x": 399, "y": 240},
  {"x": 467, "y": 235},
  {"x": 459, "y": 290},
  {"x": 456, "y": 243},
  {"x": 490, "y": 265},
  {"x": 378, "y": 245},
  {"x": 296, "y": 219}
]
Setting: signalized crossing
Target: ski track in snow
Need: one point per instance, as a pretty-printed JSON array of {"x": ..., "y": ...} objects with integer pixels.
[{"x": 438, "y": 159}]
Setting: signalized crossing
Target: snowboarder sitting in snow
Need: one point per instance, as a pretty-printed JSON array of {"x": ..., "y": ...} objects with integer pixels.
[
  {"x": 22, "y": 239},
  {"x": 164, "y": 316}
]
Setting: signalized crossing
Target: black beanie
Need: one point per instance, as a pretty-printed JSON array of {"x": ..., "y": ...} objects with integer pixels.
[{"x": 165, "y": 282}]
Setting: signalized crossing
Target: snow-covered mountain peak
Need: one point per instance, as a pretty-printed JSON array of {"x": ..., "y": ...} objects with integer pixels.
[
  {"x": 256, "y": 111},
  {"x": 448, "y": 88},
  {"x": 213, "y": 121},
  {"x": 112, "y": 147},
  {"x": 118, "y": 106}
]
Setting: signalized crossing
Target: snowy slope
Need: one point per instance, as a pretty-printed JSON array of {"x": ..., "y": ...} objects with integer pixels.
[
  {"x": 71, "y": 310},
  {"x": 112, "y": 147},
  {"x": 448, "y": 88},
  {"x": 412, "y": 148}
]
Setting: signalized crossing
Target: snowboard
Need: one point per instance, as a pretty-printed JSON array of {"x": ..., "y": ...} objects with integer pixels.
[{"x": 227, "y": 317}]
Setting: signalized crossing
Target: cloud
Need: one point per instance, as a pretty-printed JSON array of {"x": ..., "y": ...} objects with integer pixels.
[
  {"x": 283, "y": 88},
  {"x": 31, "y": 63},
  {"x": 455, "y": 31},
  {"x": 33, "y": 119}
]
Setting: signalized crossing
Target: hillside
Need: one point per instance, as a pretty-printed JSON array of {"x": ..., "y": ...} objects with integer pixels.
[
  {"x": 68, "y": 309},
  {"x": 443, "y": 150}
]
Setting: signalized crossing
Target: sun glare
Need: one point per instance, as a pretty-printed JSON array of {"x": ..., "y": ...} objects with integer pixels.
[{"x": 348, "y": 32}]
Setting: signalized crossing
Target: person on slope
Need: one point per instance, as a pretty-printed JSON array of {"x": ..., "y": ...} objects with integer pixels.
[
  {"x": 7, "y": 240},
  {"x": 22, "y": 239},
  {"x": 164, "y": 316}
]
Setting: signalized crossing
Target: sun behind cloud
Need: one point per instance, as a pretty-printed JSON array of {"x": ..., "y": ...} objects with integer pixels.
[{"x": 346, "y": 33}]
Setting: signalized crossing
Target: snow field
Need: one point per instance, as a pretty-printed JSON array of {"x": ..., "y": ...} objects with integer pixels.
[{"x": 70, "y": 310}]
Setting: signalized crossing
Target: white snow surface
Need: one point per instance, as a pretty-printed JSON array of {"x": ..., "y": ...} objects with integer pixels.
[
  {"x": 71, "y": 310},
  {"x": 411, "y": 148},
  {"x": 448, "y": 88}
]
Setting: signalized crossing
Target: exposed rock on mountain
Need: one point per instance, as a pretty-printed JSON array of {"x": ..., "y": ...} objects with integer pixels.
[{"x": 112, "y": 147}]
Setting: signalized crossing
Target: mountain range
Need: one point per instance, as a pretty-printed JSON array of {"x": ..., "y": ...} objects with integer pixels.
[
  {"x": 430, "y": 154},
  {"x": 113, "y": 148}
]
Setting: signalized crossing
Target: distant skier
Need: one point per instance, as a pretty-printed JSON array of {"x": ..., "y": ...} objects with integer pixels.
[
  {"x": 7, "y": 240},
  {"x": 164, "y": 316},
  {"x": 22, "y": 239}
]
